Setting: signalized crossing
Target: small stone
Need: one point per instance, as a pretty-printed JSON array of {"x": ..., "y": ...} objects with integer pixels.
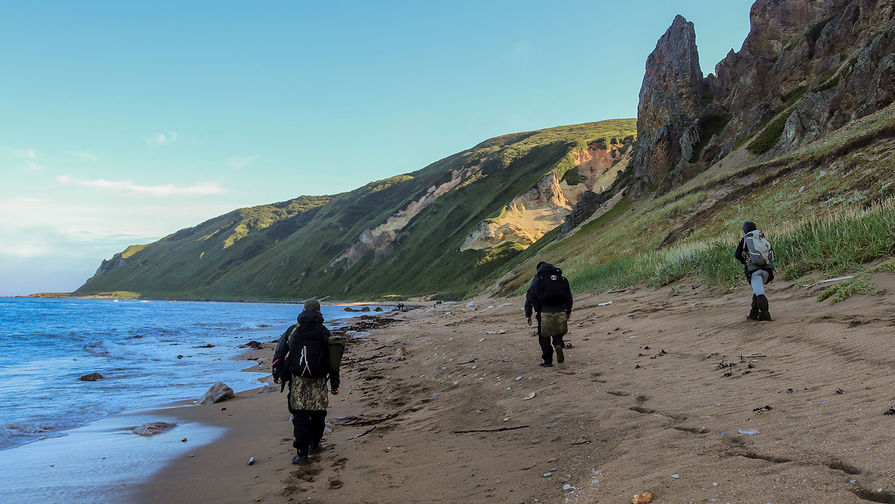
[
  {"x": 890, "y": 411},
  {"x": 642, "y": 498},
  {"x": 518, "y": 378},
  {"x": 567, "y": 487},
  {"x": 153, "y": 428},
  {"x": 548, "y": 474},
  {"x": 535, "y": 441},
  {"x": 676, "y": 476},
  {"x": 183, "y": 440},
  {"x": 251, "y": 460}
]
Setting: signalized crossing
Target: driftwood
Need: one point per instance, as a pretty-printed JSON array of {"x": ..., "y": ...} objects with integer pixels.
[
  {"x": 830, "y": 280},
  {"x": 501, "y": 429},
  {"x": 364, "y": 433},
  {"x": 360, "y": 420}
]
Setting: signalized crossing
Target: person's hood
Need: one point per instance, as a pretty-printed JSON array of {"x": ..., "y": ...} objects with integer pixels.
[
  {"x": 310, "y": 317},
  {"x": 545, "y": 267},
  {"x": 748, "y": 227}
]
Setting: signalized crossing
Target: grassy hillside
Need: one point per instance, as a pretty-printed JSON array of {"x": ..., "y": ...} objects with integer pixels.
[
  {"x": 829, "y": 209},
  {"x": 297, "y": 248}
]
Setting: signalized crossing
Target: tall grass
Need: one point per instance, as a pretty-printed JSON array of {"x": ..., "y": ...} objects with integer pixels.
[{"x": 832, "y": 245}]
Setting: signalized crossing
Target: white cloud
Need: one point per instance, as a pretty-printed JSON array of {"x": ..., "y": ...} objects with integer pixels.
[
  {"x": 197, "y": 189},
  {"x": 25, "y": 153},
  {"x": 32, "y": 166},
  {"x": 240, "y": 162},
  {"x": 162, "y": 139},
  {"x": 84, "y": 155}
]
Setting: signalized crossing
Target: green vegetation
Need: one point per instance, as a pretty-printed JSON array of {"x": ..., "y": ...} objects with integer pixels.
[
  {"x": 767, "y": 139},
  {"x": 708, "y": 125},
  {"x": 572, "y": 176},
  {"x": 813, "y": 33},
  {"x": 844, "y": 290}
]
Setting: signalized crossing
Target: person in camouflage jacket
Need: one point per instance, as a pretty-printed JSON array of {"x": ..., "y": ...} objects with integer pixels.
[{"x": 308, "y": 397}]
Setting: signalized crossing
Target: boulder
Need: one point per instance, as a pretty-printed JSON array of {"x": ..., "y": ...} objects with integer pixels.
[
  {"x": 92, "y": 377},
  {"x": 252, "y": 344},
  {"x": 217, "y": 393},
  {"x": 153, "y": 428}
]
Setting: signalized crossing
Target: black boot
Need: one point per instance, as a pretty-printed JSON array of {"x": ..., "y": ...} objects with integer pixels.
[
  {"x": 763, "y": 313},
  {"x": 754, "y": 312}
]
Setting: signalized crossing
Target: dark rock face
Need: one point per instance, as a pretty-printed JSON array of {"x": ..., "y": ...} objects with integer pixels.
[
  {"x": 588, "y": 204},
  {"x": 669, "y": 104},
  {"x": 817, "y": 64}
]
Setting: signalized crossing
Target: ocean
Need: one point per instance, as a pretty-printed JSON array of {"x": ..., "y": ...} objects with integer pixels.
[{"x": 151, "y": 353}]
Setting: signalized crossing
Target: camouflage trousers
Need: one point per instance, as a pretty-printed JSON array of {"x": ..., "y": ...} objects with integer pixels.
[{"x": 309, "y": 394}]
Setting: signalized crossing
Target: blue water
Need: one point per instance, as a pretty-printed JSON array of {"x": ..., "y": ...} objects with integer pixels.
[{"x": 46, "y": 344}]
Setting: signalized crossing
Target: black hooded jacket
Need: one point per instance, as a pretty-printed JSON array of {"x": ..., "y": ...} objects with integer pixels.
[
  {"x": 311, "y": 322},
  {"x": 532, "y": 302},
  {"x": 740, "y": 253}
]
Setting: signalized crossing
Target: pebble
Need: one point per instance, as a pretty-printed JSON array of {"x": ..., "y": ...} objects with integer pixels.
[
  {"x": 676, "y": 476},
  {"x": 506, "y": 419},
  {"x": 548, "y": 474},
  {"x": 479, "y": 411},
  {"x": 748, "y": 432},
  {"x": 251, "y": 460},
  {"x": 518, "y": 378},
  {"x": 535, "y": 441},
  {"x": 549, "y": 426},
  {"x": 567, "y": 487}
]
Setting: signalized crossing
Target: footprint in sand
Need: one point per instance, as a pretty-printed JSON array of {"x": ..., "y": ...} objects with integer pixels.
[{"x": 335, "y": 484}]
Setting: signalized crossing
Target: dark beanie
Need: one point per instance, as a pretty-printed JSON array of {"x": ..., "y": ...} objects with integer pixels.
[
  {"x": 312, "y": 304},
  {"x": 749, "y": 226},
  {"x": 538, "y": 267}
]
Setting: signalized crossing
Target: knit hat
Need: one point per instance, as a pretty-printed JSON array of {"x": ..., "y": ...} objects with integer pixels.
[
  {"x": 748, "y": 227},
  {"x": 312, "y": 304}
]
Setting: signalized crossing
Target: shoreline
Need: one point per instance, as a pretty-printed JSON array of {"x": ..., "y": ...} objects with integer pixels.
[{"x": 641, "y": 404}]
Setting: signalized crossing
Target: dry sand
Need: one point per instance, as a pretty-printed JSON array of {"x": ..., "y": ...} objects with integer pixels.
[{"x": 646, "y": 401}]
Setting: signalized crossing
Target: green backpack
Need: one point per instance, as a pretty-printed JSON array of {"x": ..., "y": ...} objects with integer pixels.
[{"x": 336, "y": 349}]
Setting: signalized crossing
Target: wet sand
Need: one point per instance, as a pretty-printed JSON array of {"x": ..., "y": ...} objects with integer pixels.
[{"x": 670, "y": 391}]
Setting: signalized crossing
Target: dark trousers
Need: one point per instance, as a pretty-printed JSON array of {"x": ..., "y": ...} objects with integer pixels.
[
  {"x": 307, "y": 425},
  {"x": 547, "y": 347}
]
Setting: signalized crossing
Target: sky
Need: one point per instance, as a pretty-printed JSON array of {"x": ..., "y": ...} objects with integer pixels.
[{"x": 123, "y": 122}]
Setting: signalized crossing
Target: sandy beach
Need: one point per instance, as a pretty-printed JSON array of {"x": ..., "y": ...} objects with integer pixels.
[{"x": 670, "y": 391}]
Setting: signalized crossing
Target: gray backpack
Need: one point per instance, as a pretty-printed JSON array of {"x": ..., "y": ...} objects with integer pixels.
[{"x": 759, "y": 253}]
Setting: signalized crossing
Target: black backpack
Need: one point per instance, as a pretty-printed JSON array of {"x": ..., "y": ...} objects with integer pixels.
[
  {"x": 552, "y": 290},
  {"x": 308, "y": 353}
]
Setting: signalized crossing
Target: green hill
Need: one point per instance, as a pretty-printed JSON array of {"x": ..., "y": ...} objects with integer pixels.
[{"x": 395, "y": 237}]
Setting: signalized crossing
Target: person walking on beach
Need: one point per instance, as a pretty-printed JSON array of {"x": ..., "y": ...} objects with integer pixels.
[
  {"x": 302, "y": 359},
  {"x": 550, "y": 296},
  {"x": 757, "y": 256}
]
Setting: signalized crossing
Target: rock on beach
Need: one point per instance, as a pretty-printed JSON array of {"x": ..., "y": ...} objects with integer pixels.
[
  {"x": 153, "y": 428},
  {"x": 217, "y": 393}
]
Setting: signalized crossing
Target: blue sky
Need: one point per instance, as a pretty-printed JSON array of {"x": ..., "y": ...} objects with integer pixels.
[{"x": 126, "y": 121}]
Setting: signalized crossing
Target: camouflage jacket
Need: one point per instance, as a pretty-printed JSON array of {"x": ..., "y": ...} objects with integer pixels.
[{"x": 308, "y": 394}]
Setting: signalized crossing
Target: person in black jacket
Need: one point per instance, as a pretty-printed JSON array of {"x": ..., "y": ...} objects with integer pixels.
[
  {"x": 550, "y": 296},
  {"x": 308, "y": 399},
  {"x": 757, "y": 276}
]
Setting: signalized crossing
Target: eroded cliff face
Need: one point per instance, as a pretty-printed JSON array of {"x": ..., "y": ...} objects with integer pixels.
[
  {"x": 530, "y": 216},
  {"x": 380, "y": 239},
  {"x": 806, "y": 68}
]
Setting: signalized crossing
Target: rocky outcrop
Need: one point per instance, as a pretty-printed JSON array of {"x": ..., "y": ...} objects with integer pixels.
[
  {"x": 525, "y": 219},
  {"x": 153, "y": 428},
  {"x": 669, "y": 105},
  {"x": 92, "y": 377},
  {"x": 810, "y": 65},
  {"x": 544, "y": 207}
]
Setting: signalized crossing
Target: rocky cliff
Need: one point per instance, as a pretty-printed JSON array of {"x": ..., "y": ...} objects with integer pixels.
[{"x": 806, "y": 68}]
